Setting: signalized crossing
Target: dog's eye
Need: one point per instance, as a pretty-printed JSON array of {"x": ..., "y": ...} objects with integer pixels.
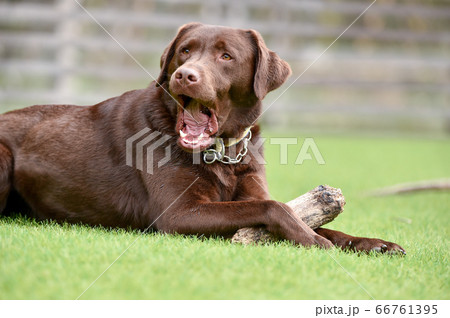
[
  {"x": 185, "y": 51},
  {"x": 226, "y": 57}
]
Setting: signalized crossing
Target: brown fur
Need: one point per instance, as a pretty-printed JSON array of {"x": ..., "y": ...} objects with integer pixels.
[{"x": 67, "y": 163}]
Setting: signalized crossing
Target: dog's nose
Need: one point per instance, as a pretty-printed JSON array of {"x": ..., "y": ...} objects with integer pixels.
[{"x": 187, "y": 76}]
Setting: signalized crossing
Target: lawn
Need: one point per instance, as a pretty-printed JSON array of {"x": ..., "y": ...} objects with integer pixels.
[{"x": 49, "y": 261}]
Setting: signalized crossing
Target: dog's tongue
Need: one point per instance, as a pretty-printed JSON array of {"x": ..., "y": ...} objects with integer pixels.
[
  {"x": 196, "y": 122},
  {"x": 195, "y": 125}
]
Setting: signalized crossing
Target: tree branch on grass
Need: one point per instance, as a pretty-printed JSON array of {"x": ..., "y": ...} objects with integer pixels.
[
  {"x": 443, "y": 184},
  {"x": 316, "y": 208}
]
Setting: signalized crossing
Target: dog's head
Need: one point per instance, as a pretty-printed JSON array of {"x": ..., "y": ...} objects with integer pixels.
[{"x": 218, "y": 75}]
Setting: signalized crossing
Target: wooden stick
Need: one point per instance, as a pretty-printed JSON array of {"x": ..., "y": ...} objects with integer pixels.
[
  {"x": 436, "y": 185},
  {"x": 316, "y": 208}
]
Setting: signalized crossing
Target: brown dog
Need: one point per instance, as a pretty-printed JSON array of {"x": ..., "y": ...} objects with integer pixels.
[{"x": 69, "y": 163}]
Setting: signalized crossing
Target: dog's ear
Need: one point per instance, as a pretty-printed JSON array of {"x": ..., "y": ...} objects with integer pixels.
[
  {"x": 270, "y": 70},
  {"x": 169, "y": 52}
]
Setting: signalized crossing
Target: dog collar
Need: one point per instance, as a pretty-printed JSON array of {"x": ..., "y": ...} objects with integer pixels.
[{"x": 217, "y": 152}]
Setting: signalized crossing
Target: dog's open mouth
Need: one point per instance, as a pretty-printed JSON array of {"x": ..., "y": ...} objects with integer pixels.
[{"x": 196, "y": 125}]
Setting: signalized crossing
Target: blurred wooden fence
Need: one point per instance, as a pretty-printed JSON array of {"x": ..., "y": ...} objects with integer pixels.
[{"x": 390, "y": 70}]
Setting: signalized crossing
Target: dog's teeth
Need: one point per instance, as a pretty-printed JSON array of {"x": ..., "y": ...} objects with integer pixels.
[{"x": 190, "y": 142}]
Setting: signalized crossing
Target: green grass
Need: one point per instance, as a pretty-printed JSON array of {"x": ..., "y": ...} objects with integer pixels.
[{"x": 49, "y": 261}]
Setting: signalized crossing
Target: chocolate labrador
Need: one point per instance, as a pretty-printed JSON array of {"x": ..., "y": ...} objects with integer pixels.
[{"x": 69, "y": 163}]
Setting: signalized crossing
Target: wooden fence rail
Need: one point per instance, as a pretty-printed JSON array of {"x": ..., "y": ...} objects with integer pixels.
[{"x": 394, "y": 62}]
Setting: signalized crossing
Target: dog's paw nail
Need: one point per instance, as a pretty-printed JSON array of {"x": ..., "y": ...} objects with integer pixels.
[
  {"x": 400, "y": 251},
  {"x": 396, "y": 251}
]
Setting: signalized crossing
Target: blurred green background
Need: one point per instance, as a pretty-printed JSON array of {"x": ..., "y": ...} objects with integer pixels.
[{"x": 389, "y": 73}]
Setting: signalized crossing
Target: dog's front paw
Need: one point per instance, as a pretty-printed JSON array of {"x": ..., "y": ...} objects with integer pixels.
[
  {"x": 323, "y": 242},
  {"x": 362, "y": 244}
]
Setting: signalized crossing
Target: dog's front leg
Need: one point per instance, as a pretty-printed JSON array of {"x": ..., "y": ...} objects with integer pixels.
[
  {"x": 360, "y": 244},
  {"x": 225, "y": 218}
]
